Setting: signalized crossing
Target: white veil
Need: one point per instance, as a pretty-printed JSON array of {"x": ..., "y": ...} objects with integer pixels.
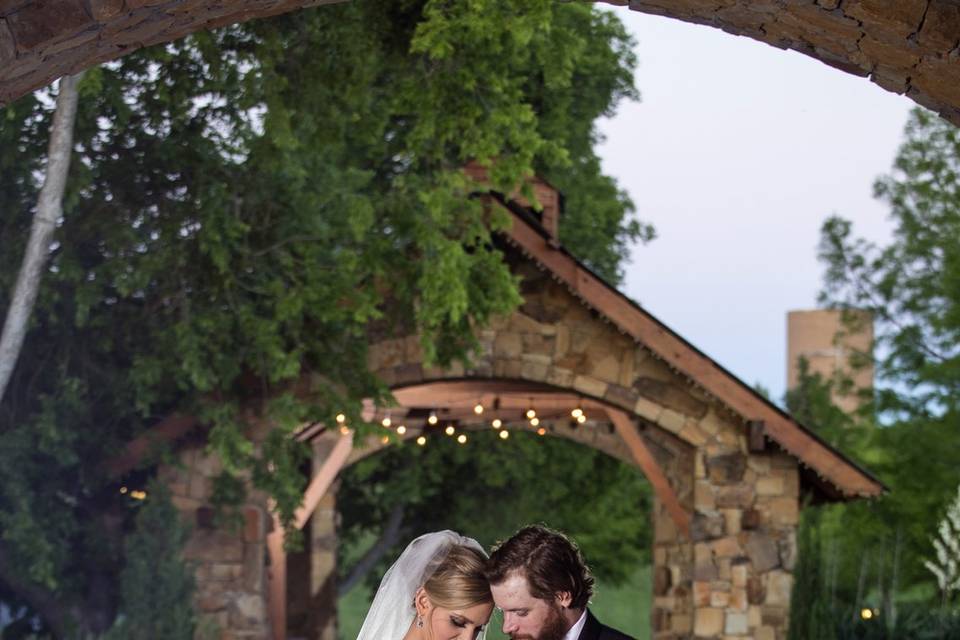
[{"x": 393, "y": 610}]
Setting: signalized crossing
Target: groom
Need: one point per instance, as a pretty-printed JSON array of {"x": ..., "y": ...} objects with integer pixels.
[{"x": 540, "y": 581}]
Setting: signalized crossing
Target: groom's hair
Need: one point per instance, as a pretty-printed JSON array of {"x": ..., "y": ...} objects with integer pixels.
[{"x": 549, "y": 561}]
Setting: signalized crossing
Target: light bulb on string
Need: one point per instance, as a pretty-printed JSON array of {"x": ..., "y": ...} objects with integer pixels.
[
  {"x": 450, "y": 430},
  {"x": 422, "y": 440},
  {"x": 531, "y": 414},
  {"x": 385, "y": 439},
  {"x": 541, "y": 431},
  {"x": 345, "y": 430},
  {"x": 582, "y": 418},
  {"x": 497, "y": 423},
  {"x": 341, "y": 418},
  {"x": 534, "y": 421},
  {"x": 402, "y": 429},
  {"x": 462, "y": 438},
  {"x": 576, "y": 413},
  {"x": 386, "y": 422},
  {"x": 433, "y": 418},
  {"x": 504, "y": 434},
  {"x": 478, "y": 409}
]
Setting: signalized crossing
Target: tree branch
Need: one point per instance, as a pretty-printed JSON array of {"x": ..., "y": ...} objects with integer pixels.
[
  {"x": 49, "y": 210},
  {"x": 389, "y": 537}
]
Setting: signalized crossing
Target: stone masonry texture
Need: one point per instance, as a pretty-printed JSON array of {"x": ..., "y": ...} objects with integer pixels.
[{"x": 910, "y": 47}]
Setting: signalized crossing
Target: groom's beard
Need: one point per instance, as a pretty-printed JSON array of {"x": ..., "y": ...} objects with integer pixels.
[{"x": 554, "y": 627}]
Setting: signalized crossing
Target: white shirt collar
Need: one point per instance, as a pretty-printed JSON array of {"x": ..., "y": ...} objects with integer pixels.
[{"x": 575, "y": 630}]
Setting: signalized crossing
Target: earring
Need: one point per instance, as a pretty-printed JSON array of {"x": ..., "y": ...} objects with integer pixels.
[{"x": 419, "y": 621}]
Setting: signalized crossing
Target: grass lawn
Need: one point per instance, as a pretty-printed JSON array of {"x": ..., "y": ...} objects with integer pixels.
[{"x": 625, "y": 607}]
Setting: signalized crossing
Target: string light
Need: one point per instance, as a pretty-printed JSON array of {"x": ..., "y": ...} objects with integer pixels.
[
  {"x": 345, "y": 430},
  {"x": 433, "y": 418},
  {"x": 462, "y": 439},
  {"x": 576, "y": 413},
  {"x": 402, "y": 429},
  {"x": 341, "y": 418},
  {"x": 582, "y": 419},
  {"x": 123, "y": 489},
  {"x": 541, "y": 431},
  {"x": 450, "y": 430},
  {"x": 497, "y": 423},
  {"x": 385, "y": 439},
  {"x": 386, "y": 422},
  {"x": 138, "y": 495},
  {"x": 504, "y": 434},
  {"x": 422, "y": 440},
  {"x": 531, "y": 414},
  {"x": 478, "y": 409},
  {"x": 534, "y": 421}
]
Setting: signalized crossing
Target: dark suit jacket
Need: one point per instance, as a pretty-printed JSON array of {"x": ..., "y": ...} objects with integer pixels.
[{"x": 593, "y": 630}]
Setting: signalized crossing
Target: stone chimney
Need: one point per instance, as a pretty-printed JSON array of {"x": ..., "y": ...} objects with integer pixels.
[
  {"x": 548, "y": 197},
  {"x": 828, "y": 344}
]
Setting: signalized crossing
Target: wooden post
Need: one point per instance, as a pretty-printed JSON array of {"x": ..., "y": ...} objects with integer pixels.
[{"x": 277, "y": 577}]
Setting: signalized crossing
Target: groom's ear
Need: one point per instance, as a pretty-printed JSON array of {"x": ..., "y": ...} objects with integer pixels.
[{"x": 564, "y": 599}]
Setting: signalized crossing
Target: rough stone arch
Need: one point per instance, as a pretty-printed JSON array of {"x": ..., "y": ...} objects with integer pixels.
[
  {"x": 907, "y": 46},
  {"x": 728, "y": 467}
]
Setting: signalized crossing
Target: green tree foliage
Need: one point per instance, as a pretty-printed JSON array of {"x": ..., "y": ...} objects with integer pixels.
[
  {"x": 906, "y": 432},
  {"x": 811, "y": 611},
  {"x": 912, "y": 285},
  {"x": 156, "y": 588},
  {"x": 243, "y": 204},
  {"x": 489, "y": 488}
]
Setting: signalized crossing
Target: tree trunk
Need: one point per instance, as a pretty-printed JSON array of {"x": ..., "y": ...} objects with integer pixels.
[
  {"x": 389, "y": 537},
  {"x": 49, "y": 210},
  {"x": 57, "y": 614}
]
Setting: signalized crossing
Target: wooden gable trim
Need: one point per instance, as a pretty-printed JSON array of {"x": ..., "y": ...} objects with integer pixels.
[{"x": 686, "y": 359}]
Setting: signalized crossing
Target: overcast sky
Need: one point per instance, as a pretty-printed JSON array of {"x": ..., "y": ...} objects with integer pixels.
[{"x": 736, "y": 153}]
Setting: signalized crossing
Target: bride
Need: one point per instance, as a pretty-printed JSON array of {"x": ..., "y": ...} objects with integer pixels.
[{"x": 436, "y": 590}]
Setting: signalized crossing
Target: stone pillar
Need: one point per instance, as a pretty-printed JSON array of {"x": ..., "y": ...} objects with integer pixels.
[
  {"x": 672, "y": 612},
  {"x": 323, "y": 568},
  {"x": 312, "y": 571},
  {"x": 229, "y": 561},
  {"x": 744, "y": 535}
]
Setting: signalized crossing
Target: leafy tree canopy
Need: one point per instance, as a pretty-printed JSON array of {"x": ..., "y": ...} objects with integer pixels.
[
  {"x": 243, "y": 203},
  {"x": 907, "y": 433}
]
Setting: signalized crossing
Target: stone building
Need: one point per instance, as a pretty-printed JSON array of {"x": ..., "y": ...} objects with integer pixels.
[
  {"x": 837, "y": 345},
  {"x": 728, "y": 468}
]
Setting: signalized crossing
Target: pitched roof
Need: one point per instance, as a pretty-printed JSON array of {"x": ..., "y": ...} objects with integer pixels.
[{"x": 832, "y": 474}]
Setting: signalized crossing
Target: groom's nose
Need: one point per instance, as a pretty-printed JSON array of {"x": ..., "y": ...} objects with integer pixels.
[{"x": 509, "y": 622}]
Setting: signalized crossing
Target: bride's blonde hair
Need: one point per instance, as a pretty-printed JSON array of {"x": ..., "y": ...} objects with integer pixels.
[{"x": 459, "y": 581}]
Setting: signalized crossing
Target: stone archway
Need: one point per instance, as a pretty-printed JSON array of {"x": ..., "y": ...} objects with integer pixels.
[
  {"x": 728, "y": 467},
  {"x": 667, "y": 461},
  {"x": 908, "y": 46}
]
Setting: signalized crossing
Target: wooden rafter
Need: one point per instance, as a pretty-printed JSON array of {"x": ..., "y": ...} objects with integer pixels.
[
  {"x": 321, "y": 482},
  {"x": 627, "y": 430}
]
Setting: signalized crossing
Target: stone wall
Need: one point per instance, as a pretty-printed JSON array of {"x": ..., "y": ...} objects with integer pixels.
[
  {"x": 905, "y": 46},
  {"x": 229, "y": 562}
]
